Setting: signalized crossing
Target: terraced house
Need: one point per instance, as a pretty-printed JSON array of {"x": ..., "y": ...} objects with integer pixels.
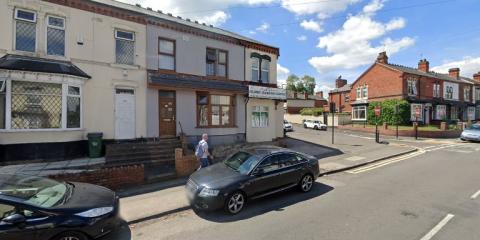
[
  {"x": 71, "y": 67},
  {"x": 438, "y": 97}
]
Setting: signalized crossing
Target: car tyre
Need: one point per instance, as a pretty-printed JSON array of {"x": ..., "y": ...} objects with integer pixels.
[
  {"x": 306, "y": 183},
  {"x": 316, "y": 127},
  {"x": 71, "y": 236},
  {"x": 235, "y": 202},
  {"x": 304, "y": 125}
]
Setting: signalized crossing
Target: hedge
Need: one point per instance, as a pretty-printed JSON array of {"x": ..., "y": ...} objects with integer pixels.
[
  {"x": 388, "y": 112},
  {"x": 311, "y": 112}
]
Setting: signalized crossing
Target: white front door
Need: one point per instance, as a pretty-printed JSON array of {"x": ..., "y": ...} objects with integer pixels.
[{"x": 124, "y": 113}]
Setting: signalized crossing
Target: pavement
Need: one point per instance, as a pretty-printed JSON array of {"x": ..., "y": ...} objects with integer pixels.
[
  {"x": 433, "y": 195},
  {"x": 348, "y": 152},
  {"x": 53, "y": 168}
]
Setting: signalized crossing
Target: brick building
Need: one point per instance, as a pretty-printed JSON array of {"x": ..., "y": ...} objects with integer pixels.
[{"x": 439, "y": 97}]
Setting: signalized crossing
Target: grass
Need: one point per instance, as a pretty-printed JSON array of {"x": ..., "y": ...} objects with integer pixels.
[{"x": 409, "y": 127}]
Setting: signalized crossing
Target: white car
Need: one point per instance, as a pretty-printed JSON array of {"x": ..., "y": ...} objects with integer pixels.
[
  {"x": 315, "y": 124},
  {"x": 287, "y": 127}
]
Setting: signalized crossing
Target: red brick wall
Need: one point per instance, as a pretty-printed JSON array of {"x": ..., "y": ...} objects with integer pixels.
[
  {"x": 406, "y": 133},
  {"x": 383, "y": 83},
  {"x": 113, "y": 178},
  {"x": 339, "y": 99}
]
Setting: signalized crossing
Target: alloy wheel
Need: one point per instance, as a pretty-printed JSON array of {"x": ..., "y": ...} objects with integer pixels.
[
  {"x": 235, "y": 203},
  {"x": 307, "y": 182},
  {"x": 69, "y": 238}
]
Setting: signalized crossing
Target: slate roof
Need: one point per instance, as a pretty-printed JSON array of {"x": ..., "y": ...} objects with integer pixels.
[
  {"x": 345, "y": 88},
  {"x": 34, "y": 64},
  {"x": 194, "y": 82},
  {"x": 431, "y": 74}
]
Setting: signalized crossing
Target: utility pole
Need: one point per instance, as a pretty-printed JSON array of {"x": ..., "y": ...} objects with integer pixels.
[
  {"x": 378, "y": 112},
  {"x": 397, "y": 112},
  {"x": 332, "y": 110}
]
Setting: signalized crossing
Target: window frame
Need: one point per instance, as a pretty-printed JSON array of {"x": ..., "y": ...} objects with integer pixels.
[
  {"x": 115, "y": 37},
  {"x": 357, "y": 109},
  {"x": 412, "y": 85},
  {"x": 217, "y": 62},
  {"x": 174, "y": 55},
  {"x": 257, "y": 68},
  {"x": 466, "y": 94},
  {"x": 64, "y": 29},
  {"x": 266, "y": 109},
  {"x": 15, "y": 21},
  {"x": 25, "y": 10},
  {"x": 209, "y": 104},
  {"x": 436, "y": 90},
  {"x": 260, "y": 79}
]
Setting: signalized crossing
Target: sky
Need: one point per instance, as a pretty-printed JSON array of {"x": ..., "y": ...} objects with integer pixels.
[{"x": 329, "y": 38}]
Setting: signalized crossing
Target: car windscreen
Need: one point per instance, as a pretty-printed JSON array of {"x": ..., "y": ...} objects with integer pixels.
[
  {"x": 475, "y": 127},
  {"x": 37, "y": 191},
  {"x": 242, "y": 162}
]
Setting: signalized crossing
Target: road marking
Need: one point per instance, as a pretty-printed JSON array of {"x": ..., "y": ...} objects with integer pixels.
[
  {"x": 386, "y": 162},
  {"x": 438, "y": 227},
  {"x": 441, "y": 147},
  {"x": 475, "y": 195}
]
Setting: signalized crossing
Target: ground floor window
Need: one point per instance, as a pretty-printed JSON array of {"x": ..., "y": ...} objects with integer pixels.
[
  {"x": 39, "y": 105},
  {"x": 414, "y": 108},
  {"x": 453, "y": 113},
  {"x": 215, "y": 110},
  {"x": 440, "y": 112},
  {"x": 260, "y": 116},
  {"x": 359, "y": 113},
  {"x": 471, "y": 113}
]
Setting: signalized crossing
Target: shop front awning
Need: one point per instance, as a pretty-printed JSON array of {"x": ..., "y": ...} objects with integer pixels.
[
  {"x": 42, "y": 65},
  {"x": 178, "y": 81}
]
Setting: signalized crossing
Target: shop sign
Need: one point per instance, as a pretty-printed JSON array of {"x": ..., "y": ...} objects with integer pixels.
[{"x": 267, "y": 93}]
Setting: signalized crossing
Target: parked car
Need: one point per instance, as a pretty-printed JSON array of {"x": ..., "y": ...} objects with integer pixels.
[
  {"x": 287, "y": 127},
  {"x": 315, "y": 124},
  {"x": 37, "y": 208},
  {"x": 471, "y": 133},
  {"x": 249, "y": 174}
]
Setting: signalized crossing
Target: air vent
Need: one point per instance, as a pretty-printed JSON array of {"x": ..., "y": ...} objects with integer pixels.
[
  {"x": 159, "y": 11},
  {"x": 149, "y": 8},
  {"x": 138, "y": 5},
  {"x": 204, "y": 24},
  {"x": 188, "y": 19},
  {"x": 179, "y": 17},
  {"x": 169, "y": 14},
  {"x": 196, "y": 21}
]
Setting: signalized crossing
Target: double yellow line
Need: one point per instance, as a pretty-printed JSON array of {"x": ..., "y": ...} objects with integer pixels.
[{"x": 419, "y": 151}]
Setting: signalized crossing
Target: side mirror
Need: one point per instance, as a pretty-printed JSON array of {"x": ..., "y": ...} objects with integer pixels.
[
  {"x": 258, "y": 172},
  {"x": 15, "y": 219}
]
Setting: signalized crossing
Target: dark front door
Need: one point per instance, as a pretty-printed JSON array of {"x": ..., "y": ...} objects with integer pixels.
[{"x": 167, "y": 114}]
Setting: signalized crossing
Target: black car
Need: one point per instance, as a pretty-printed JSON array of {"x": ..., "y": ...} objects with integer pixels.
[
  {"x": 248, "y": 174},
  {"x": 37, "y": 208}
]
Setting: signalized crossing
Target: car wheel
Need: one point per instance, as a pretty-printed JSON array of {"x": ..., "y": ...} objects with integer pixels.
[
  {"x": 71, "y": 236},
  {"x": 316, "y": 127},
  {"x": 235, "y": 202},
  {"x": 306, "y": 183},
  {"x": 304, "y": 125}
]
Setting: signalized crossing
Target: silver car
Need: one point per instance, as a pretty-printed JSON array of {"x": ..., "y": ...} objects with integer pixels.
[{"x": 471, "y": 133}]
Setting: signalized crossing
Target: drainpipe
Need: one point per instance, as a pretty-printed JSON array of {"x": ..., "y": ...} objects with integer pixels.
[{"x": 246, "y": 112}]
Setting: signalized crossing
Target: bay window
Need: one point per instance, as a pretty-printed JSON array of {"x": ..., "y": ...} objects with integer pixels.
[
  {"x": 166, "y": 54},
  {"x": 441, "y": 112},
  {"x": 55, "y": 36},
  {"x": 359, "y": 113},
  {"x": 25, "y": 30},
  {"x": 39, "y": 105},
  {"x": 215, "y": 110},
  {"x": 260, "y": 116}
]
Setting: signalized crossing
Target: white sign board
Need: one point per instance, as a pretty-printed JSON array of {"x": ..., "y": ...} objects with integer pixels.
[{"x": 267, "y": 93}]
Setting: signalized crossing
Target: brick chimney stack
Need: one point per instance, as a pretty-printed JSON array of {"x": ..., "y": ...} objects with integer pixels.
[
  {"x": 424, "y": 65},
  {"x": 340, "y": 82},
  {"x": 319, "y": 94},
  {"x": 476, "y": 76},
  {"x": 454, "y": 72},
  {"x": 382, "y": 58}
]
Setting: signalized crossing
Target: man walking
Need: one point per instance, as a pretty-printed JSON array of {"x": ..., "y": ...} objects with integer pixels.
[{"x": 202, "y": 152}]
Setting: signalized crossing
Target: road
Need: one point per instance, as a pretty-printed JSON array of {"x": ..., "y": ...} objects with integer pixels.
[{"x": 431, "y": 195}]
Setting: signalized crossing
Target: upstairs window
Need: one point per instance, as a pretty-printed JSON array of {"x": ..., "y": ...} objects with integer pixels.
[
  {"x": 55, "y": 36},
  {"x": 264, "y": 78},
  {"x": 365, "y": 92},
  {"x": 3, "y": 102},
  {"x": 436, "y": 90},
  {"x": 255, "y": 69},
  {"x": 217, "y": 62},
  {"x": 466, "y": 94},
  {"x": 449, "y": 92},
  {"x": 346, "y": 96},
  {"x": 412, "y": 87},
  {"x": 166, "y": 54},
  {"x": 25, "y": 30},
  {"x": 124, "y": 47},
  {"x": 359, "y": 92}
]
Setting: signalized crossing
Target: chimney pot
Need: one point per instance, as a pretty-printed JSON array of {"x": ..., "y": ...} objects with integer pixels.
[
  {"x": 424, "y": 65},
  {"x": 382, "y": 58},
  {"x": 476, "y": 76},
  {"x": 340, "y": 82},
  {"x": 454, "y": 72}
]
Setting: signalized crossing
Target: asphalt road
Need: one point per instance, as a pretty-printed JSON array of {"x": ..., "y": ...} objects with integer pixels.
[{"x": 428, "y": 196}]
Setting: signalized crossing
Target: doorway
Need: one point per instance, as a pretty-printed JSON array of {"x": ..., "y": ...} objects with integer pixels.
[
  {"x": 167, "y": 114},
  {"x": 124, "y": 113}
]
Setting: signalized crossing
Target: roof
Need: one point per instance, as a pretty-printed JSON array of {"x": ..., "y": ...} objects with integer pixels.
[
  {"x": 195, "y": 82},
  {"x": 178, "y": 20},
  {"x": 345, "y": 88},
  {"x": 34, "y": 64},
  {"x": 431, "y": 74}
]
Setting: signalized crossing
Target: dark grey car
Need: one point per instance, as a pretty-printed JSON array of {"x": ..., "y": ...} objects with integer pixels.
[{"x": 248, "y": 174}]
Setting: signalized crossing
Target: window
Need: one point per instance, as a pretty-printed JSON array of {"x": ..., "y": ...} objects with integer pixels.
[
  {"x": 264, "y": 78},
  {"x": 347, "y": 97},
  {"x": 270, "y": 164},
  {"x": 359, "y": 113},
  {"x": 166, "y": 54},
  {"x": 255, "y": 69},
  {"x": 441, "y": 112},
  {"x": 25, "y": 30},
  {"x": 217, "y": 63},
  {"x": 466, "y": 94},
  {"x": 436, "y": 90},
  {"x": 55, "y": 36},
  {"x": 260, "y": 117},
  {"x": 413, "y": 111},
  {"x": 412, "y": 87},
  {"x": 215, "y": 110},
  {"x": 453, "y": 113},
  {"x": 449, "y": 92},
  {"x": 365, "y": 92},
  {"x": 40, "y": 105},
  {"x": 359, "y": 93},
  {"x": 6, "y": 210},
  {"x": 124, "y": 47},
  {"x": 3, "y": 103},
  {"x": 286, "y": 160},
  {"x": 471, "y": 113}
]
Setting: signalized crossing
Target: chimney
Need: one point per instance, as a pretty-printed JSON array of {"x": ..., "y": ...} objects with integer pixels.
[
  {"x": 340, "y": 82},
  {"x": 454, "y": 72},
  {"x": 382, "y": 58},
  {"x": 424, "y": 65},
  {"x": 319, "y": 94},
  {"x": 476, "y": 76}
]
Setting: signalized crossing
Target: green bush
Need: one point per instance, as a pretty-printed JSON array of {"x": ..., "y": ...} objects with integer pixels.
[
  {"x": 311, "y": 111},
  {"x": 388, "y": 112}
]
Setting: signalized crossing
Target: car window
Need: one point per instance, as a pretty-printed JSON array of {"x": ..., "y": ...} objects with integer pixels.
[
  {"x": 286, "y": 160},
  {"x": 270, "y": 164},
  {"x": 6, "y": 210}
]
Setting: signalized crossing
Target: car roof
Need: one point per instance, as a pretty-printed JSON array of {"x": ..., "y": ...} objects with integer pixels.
[{"x": 264, "y": 150}]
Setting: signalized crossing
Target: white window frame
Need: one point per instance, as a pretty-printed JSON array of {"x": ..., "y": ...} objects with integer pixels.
[
  {"x": 23, "y": 19},
  {"x": 256, "y": 68},
  {"x": 365, "y": 92},
  {"x": 444, "y": 111},
  {"x": 466, "y": 94},
  {"x": 58, "y": 28},
  {"x": 261, "y": 109},
  {"x": 436, "y": 90},
  {"x": 357, "y": 109},
  {"x": 359, "y": 93},
  {"x": 412, "y": 84},
  {"x": 262, "y": 70},
  {"x": 125, "y": 39},
  {"x": 125, "y": 31},
  {"x": 413, "y": 107},
  {"x": 16, "y": 19},
  {"x": 63, "y": 124}
]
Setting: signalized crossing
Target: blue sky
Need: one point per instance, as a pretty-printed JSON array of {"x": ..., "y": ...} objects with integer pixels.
[{"x": 327, "y": 38}]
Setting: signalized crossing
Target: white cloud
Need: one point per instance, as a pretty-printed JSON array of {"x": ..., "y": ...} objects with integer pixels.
[
  {"x": 302, "y": 38},
  {"x": 351, "y": 46},
  {"x": 468, "y": 66},
  {"x": 312, "y": 25},
  {"x": 282, "y": 74},
  {"x": 200, "y": 10},
  {"x": 263, "y": 28},
  {"x": 322, "y": 9}
]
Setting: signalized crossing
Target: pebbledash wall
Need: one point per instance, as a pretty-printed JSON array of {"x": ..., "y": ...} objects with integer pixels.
[{"x": 90, "y": 45}]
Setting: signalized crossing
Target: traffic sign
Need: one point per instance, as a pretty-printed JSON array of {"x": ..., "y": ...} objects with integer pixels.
[
  {"x": 378, "y": 111},
  {"x": 417, "y": 112}
]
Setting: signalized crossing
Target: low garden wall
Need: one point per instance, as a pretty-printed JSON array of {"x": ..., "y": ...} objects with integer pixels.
[{"x": 406, "y": 133}]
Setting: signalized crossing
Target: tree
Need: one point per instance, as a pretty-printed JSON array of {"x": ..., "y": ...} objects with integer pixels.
[
  {"x": 308, "y": 84},
  {"x": 292, "y": 82}
]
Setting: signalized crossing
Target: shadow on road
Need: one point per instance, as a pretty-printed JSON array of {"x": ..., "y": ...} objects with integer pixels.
[
  {"x": 275, "y": 202},
  {"x": 316, "y": 150},
  {"x": 122, "y": 233}
]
